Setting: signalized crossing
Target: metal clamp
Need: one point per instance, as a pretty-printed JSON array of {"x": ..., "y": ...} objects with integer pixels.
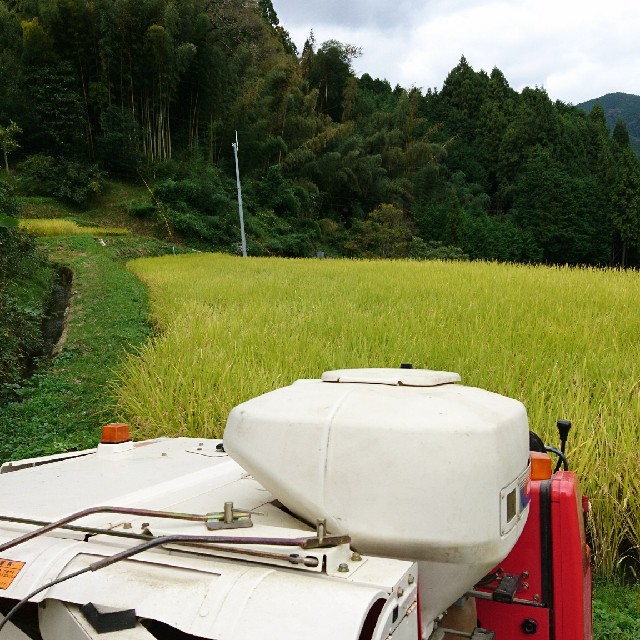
[{"x": 230, "y": 518}]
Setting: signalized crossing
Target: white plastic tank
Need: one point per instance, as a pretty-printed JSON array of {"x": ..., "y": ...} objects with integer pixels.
[{"x": 405, "y": 461}]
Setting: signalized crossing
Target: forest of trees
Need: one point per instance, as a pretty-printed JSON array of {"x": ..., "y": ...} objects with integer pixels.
[{"x": 155, "y": 90}]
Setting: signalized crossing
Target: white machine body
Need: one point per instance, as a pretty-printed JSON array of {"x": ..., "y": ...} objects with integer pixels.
[
  {"x": 428, "y": 480},
  {"x": 243, "y": 593}
]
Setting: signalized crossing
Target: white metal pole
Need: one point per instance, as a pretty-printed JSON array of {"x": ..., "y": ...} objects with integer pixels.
[{"x": 244, "y": 240}]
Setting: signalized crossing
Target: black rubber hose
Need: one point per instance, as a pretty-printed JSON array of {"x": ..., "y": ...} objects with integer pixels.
[{"x": 562, "y": 459}]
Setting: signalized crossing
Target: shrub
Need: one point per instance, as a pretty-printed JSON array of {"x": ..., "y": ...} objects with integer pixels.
[
  {"x": 141, "y": 209},
  {"x": 383, "y": 234},
  {"x": 433, "y": 250},
  {"x": 73, "y": 181},
  {"x": 9, "y": 205},
  {"x": 272, "y": 235},
  {"x": 207, "y": 197},
  {"x": 208, "y": 232},
  {"x": 38, "y": 175},
  {"x": 25, "y": 285}
]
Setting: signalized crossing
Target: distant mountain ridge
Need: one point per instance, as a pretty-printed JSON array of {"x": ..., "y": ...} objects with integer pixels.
[{"x": 620, "y": 106}]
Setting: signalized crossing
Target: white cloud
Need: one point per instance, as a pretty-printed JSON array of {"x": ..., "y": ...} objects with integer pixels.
[{"x": 576, "y": 49}]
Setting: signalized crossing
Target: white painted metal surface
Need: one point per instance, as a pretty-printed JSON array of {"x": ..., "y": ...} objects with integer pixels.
[
  {"x": 226, "y": 595},
  {"x": 11, "y": 632},
  {"x": 426, "y": 476},
  {"x": 405, "y": 462},
  {"x": 395, "y": 377}
]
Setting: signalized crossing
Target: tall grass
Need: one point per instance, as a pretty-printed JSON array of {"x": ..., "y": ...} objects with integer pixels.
[
  {"x": 56, "y": 227},
  {"x": 566, "y": 342}
]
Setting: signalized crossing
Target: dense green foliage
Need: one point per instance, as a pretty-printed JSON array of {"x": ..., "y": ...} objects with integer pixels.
[
  {"x": 157, "y": 89},
  {"x": 616, "y": 611},
  {"x": 25, "y": 283}
]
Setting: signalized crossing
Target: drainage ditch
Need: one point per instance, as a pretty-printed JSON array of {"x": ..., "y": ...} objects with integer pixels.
[{"x": 54, "y": 321}]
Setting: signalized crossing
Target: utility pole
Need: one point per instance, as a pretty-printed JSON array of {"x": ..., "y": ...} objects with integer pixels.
[{"x": 244, "y": 240}]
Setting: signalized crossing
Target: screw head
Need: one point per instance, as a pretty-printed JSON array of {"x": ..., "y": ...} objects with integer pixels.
[
  {"x": 411, "y": 580},
  {"x": 343, "y": 567},
  {"x": 400, "y": 592}
]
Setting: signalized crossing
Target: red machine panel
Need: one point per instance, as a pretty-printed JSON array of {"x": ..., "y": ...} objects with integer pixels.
[
  {"x": 571, "y": 559},
  {"x": 554, "y": 563},
  {"x": 514, "y": 621}
]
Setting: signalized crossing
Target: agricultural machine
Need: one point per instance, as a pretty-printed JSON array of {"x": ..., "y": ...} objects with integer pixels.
[{"x": 372, "y": 504}]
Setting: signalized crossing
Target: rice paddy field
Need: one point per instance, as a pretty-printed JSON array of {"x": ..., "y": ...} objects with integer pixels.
[
  {"x": 564, "y": 341},
  {"x": 53, "y": 227}
]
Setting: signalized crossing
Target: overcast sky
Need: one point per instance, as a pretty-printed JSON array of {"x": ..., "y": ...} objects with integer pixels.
[{"x": 575, "y": 49}]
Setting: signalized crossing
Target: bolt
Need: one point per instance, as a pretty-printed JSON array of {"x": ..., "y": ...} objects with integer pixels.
[
  {"x": 321, "y": 529},
  {"x": 536, "y": 598},
  {"x": 343, "y": 567},
  {"x": 228, "y": 512},
  {"x": 525, "y": 575},
  {"x": 144, "y": 525},
  {"x": 164, "y": 455},
  {"x": 356, "y": 557},
  {"x": 411, "y": 579},
  {"x": 126, "y": 525},
  {"x": 400, "y": 592}
]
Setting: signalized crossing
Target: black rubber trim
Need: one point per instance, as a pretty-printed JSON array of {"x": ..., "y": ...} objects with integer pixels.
[
  {"x": 535, "y": 443},
  {"x": 546, "y": 552}
]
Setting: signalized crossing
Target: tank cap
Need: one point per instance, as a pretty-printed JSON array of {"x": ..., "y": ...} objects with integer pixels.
[
  {"x": 395, "y": 377},
  {"x": 115, "y": 433}
]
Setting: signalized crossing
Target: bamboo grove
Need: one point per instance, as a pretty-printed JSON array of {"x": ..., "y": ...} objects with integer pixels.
[{"x": 155, "y": 90}]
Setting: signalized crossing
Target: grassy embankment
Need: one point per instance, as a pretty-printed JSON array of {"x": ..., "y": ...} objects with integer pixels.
[
  {"x": 67, "y": 400},
  {"x": 63, "y": 406}
]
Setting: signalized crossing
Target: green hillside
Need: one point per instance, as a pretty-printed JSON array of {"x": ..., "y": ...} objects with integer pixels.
[
  {"x": 620, "y": 106},
  {"x": 153, "y": 92}
]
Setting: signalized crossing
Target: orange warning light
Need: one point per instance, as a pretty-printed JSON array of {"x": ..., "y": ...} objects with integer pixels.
[
  {"x": 115, "y": 433},
  {"x": 540, "y": 466}
]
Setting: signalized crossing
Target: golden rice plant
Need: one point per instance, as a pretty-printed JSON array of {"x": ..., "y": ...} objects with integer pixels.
[
  {"x": 564, "y": 341},
  {"x": 54, "y": 227}
]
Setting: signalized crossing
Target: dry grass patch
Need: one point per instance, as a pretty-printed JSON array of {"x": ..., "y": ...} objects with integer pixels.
[{"x": 55, "y": 227}]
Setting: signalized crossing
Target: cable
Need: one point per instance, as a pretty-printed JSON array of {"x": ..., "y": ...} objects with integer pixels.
[
  {"x": 26, "y": 599},
  {"x": 562, "y": 459}
]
